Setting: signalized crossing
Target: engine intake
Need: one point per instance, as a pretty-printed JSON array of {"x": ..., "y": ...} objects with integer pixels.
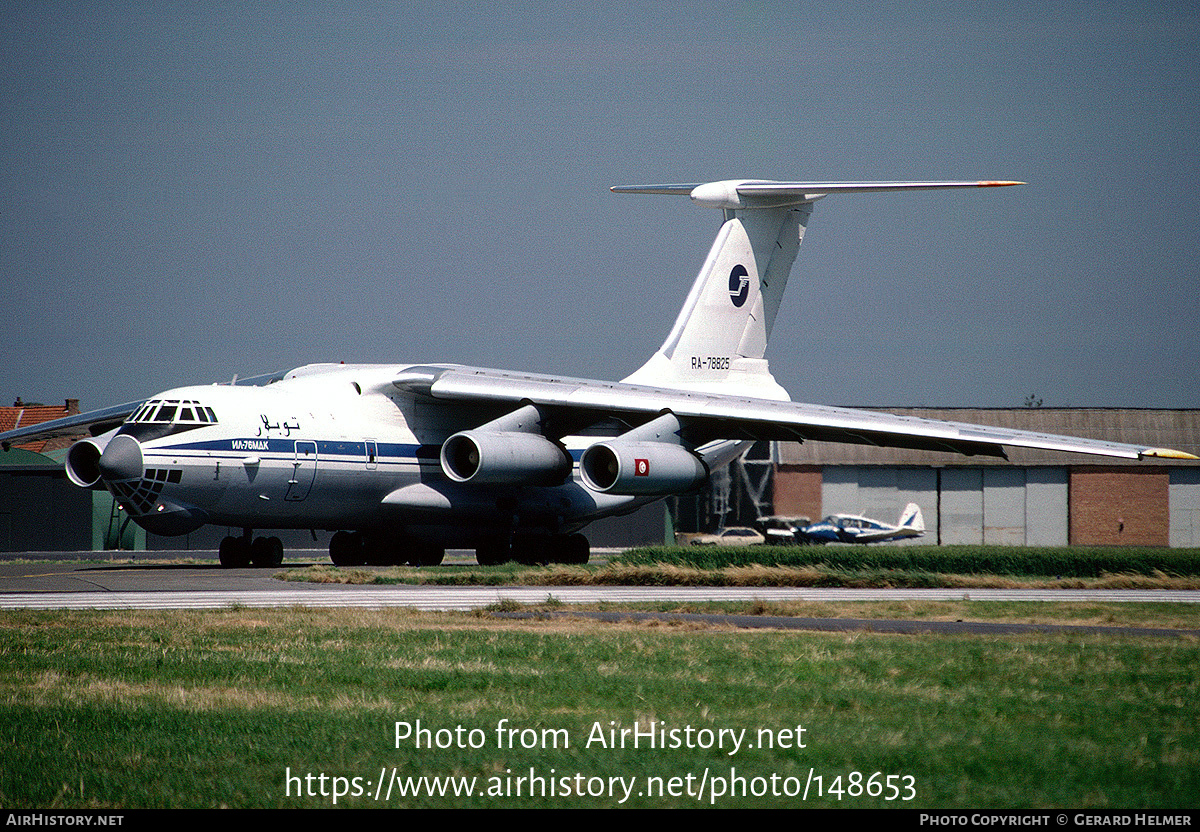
[{"x": 83, "y": 460}]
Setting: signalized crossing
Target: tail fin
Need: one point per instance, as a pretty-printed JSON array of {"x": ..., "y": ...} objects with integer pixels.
[
  {"x": 912, "y": 518},
  {"x": 719, "y": 340}
]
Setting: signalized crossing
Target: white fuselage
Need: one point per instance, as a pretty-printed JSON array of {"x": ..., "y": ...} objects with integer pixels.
[{"x": 333, "y": 447}]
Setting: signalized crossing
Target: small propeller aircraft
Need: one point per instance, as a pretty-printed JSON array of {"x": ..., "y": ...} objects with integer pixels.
[
  {"x": 400, "y": 461},
  {"x": 854, "y": 528}
]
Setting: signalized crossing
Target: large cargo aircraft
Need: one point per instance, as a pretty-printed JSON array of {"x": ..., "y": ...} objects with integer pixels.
[{"x": 403, "y": 460}]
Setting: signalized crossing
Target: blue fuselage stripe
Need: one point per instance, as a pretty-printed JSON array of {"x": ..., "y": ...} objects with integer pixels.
[{"x": 325, "y": 448}]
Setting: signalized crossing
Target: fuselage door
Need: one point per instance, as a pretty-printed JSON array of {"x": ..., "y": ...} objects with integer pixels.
[
  {"x": 304, "y": 469},
  {"x": 372, "y": 454}
]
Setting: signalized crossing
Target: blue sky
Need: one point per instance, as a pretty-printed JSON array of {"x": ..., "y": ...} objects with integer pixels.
[{"x": 197, "y": 190}]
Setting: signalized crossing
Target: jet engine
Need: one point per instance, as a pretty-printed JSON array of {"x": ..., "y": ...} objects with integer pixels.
[
  {"x": 508, "y": 451},
  {"x": 648, "y": 460},
  {"x": 641, "y": 468},
  {"x": 478, "y": 456},
  {"x": 83, "y": 460}
]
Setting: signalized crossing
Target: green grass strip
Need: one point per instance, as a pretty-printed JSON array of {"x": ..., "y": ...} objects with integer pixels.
[
  {"x": 1064, "y": 562},
  {"x": 219, "y": 708}
]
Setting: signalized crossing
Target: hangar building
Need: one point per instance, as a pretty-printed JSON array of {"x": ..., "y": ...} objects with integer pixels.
[{"x": 1036, "y": 498}]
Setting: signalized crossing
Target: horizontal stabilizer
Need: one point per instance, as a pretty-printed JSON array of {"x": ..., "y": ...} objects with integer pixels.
[{"x": 749, "y": 193}]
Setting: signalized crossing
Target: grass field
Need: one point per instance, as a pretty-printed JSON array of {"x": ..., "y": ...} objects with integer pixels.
[{"x": 285, "y": 708}]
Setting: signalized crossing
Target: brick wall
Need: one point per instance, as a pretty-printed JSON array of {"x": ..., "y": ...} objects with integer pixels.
[{"x": 1118, "y": 506}]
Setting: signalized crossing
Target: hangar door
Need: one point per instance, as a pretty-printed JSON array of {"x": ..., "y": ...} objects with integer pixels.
[
  {"x": 1184, "y": 501},
  {"x": 1004, "y": 506}
]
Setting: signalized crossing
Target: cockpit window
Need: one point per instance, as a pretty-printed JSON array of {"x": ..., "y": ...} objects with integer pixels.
[
  {"x": 173, "y": 411},
  {"x": 158, "y": 418}
]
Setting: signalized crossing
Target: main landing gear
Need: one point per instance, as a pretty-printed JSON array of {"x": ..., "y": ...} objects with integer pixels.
[
  {"x": 362, "y": 549},
  {"x": 535, "y": 549},
  {"x": 238, "y": 552}
]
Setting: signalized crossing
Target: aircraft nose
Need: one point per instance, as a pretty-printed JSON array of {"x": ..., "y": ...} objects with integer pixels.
[{"x": 121, "y": 460}]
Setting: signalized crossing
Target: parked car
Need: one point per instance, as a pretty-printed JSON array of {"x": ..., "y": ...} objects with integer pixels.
[{"x": 731, "y": 536}]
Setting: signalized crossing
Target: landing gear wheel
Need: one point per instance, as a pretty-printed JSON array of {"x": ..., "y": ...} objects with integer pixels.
[
  {"x": 266, "y": 551},
  {"x": 491, "y": 553},
  {"x": 378, "y": 550},
  {"x": 427, "y": 554},
  {"x": 234, "y": 552},
  {"x": 346, "y": 549},
  {"x": 532, "y": 550},
  {"x": 577, "y": 550}
]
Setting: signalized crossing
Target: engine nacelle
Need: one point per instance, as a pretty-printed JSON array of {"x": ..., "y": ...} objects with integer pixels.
[
  {"x": 641, "y": 468},
  {"x": 504, "y": 458},
  {"x": 83, "y": 460}
]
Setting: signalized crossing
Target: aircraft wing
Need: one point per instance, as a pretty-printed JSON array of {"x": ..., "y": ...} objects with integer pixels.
[
  {"x": 709, "y": 416},
  {"x": 94, "y": 423}
]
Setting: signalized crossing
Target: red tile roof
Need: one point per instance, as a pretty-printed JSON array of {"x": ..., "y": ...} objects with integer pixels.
[{"x": 22, "y": 415}]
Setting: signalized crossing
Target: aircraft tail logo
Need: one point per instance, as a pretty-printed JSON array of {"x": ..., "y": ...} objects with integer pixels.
[{"x": 739, "y": 285}]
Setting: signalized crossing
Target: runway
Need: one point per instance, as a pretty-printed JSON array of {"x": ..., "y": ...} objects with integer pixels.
[
  {"x": 468, "y": 598},
  {"x": 205, "y": 585}
]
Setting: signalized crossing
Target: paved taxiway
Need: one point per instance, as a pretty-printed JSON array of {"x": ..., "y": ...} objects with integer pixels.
[{"x": 100, "y": 584}]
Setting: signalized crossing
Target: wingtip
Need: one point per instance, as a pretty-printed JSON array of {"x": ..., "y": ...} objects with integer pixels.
[
  {"x": 999, "y": 183},
  {"x": 1167, "y": 453}
]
